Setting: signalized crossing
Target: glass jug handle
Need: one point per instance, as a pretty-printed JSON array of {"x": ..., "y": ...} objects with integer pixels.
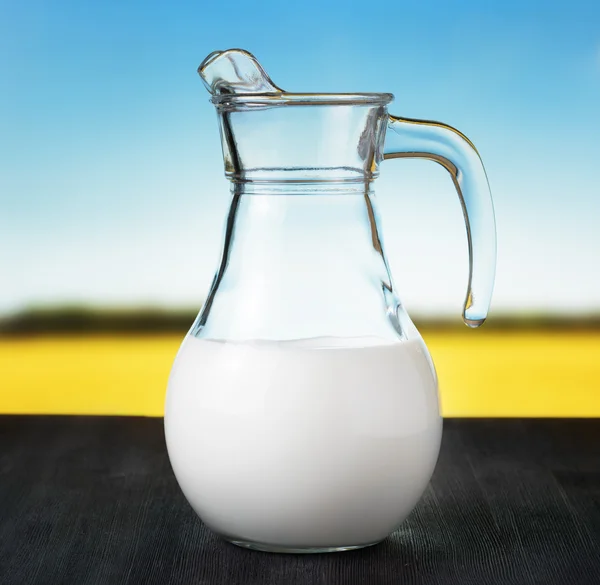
[{"x": 406, "y": 138}]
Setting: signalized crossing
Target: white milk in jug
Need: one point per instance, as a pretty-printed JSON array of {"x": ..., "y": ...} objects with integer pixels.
[{"x": 318, "y": 443}]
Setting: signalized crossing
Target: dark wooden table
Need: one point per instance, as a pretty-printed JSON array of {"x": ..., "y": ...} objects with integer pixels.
[{"x": 93, "y": 500}]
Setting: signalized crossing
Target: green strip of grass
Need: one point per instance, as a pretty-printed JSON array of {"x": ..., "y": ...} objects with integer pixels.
[{"x": 87, "y": 320}]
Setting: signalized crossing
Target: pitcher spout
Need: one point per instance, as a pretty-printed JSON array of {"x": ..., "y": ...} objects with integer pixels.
[{"x": 235, "y": 71}]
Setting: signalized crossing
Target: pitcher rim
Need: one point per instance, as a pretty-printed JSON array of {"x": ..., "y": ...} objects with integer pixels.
[{"x": 301, "y": 99}]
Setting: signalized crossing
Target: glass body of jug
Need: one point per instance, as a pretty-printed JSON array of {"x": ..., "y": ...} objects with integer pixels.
[{"x": 302, "y": 408}]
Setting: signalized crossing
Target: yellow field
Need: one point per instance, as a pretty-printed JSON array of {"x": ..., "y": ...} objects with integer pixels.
[{"x": 481, "y": 373}]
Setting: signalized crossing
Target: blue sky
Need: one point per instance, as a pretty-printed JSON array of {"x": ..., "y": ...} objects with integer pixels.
[{"x": 111, "y": 184}]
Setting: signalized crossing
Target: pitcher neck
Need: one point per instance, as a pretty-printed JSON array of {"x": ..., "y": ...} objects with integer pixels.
[
  {"x": 303, "y": 143},
  {"x": 292, "y": 187}
]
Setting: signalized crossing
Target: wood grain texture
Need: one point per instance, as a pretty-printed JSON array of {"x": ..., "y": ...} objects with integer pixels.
[{"x": 87, "y": 500}]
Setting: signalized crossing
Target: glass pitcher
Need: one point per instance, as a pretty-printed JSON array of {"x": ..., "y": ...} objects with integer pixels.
[{"x": 302, "y": 408}]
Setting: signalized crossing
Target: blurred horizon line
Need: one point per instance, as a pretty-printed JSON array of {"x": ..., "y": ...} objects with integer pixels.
[{"x": 149, "y": 319}]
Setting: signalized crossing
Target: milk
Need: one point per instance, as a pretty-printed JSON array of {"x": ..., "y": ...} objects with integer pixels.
[{"x": 296, "y": 445}]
